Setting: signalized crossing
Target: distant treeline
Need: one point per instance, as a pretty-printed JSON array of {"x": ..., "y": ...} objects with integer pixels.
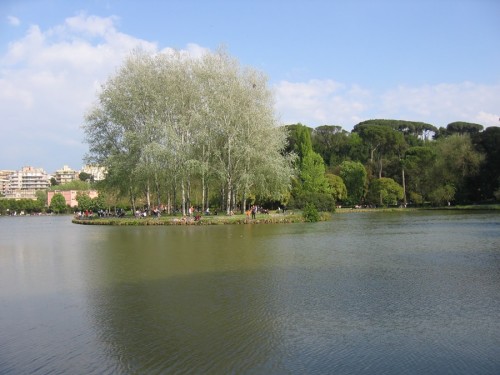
[{"x": 384, "y": 162}]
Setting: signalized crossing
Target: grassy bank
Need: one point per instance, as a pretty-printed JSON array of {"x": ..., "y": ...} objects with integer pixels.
[{"x": 273, "y": 218}]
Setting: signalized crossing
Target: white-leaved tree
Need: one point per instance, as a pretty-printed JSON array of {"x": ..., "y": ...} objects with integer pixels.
[{"x": 163, "y": 121}]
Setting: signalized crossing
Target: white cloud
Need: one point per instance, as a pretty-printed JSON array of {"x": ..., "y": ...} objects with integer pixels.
[
  {"x": 328, "y": 102},
  {"x": 444, "y": 103},
  {"x": 319, "y": 102},
  {"x": 48, "y": 80},
  {"x": 13, "y": 21}
]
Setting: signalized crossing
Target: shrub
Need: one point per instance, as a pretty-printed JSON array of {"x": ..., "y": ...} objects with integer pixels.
[
  {"x": 321, "y": 201},
  {"x": 310, "y": 213}
]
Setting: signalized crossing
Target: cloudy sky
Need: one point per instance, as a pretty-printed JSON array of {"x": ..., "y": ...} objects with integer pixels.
[{"x": 328, "y": 62}]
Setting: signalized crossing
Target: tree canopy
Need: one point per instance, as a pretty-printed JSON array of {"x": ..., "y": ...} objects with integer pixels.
[{"x": 164, "y": 123}]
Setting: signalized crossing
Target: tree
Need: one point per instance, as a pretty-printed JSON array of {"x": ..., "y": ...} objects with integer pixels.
[
  {"x": 164, "y": 120},
  {"x": 58, "y": 204},
  {"x": 331, "y": 142},
  {"x": 382, "y": 141},
  {"x": 312, "y": 174},
  {"x": 355, "y": 178},
  {"x": 337, "y": 187},
  {"x": 84, "y": 201},
  {"x": 384, "y": 191},
  {"x": 41, "y": 198},
  {"x": 442, "y": 195},
  {"x": 418, "y": 162},
  {"x": 299, "y": 140},
  {"x": 84, "y": 176},
  {"x": 487, "y": 181},
  {"x": 456, "y": 161},
  {"x": 461, "y": 127},
  {"x": 417, "y": 130}
]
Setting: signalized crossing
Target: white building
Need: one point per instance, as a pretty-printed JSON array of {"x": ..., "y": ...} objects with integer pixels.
[
  {"x": 65, "y": 175},
  {"x": 98, "y": 173},
  {"x": 25, "y": 182},
  {"x": 4, "y": 179}
]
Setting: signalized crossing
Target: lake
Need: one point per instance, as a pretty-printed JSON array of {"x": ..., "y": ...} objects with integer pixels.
[{"x": 365, "y": 293}]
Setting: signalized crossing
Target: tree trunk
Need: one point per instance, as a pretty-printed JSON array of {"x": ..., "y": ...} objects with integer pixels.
[
  {"x": 183, "y": 195},
  {"x": 157, "y": 188},
  {"x": 404, "y": 185},
  {"x": 229, "y": 194},
  {"x": 148, "y": 196},
  {"x": 203, "y": 208}
]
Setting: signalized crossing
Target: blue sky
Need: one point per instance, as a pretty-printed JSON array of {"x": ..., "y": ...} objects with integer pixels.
[{"x": 328, "y": 62}]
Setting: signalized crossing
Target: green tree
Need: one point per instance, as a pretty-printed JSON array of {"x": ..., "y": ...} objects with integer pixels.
[
  {"x": 84, "y": 176},
  {"x": 331, "y": 142},
  {"x": 461, "y": 127},
  {"x": 418, "y": 164},
  {"x": 58, "y": 204},
  {"x": 84, "y": 201},
  {"x": 456, "y": 161},
  {"x": 299, "y": 140},
  {"x": 310, "y": 213},
  {"x": 484, "y": 185},
  {"x": 410, "y": 129},
  {"x": 384, "y": 191},
  {"x": 442, "y": 195},
  {"x": 337, "y": 187},
  {"x": 312, "y": 174},
  {"x": 72, "y": 185},
  {"x": 354, "y": 175},
  {"x": 382, "y": 141}
]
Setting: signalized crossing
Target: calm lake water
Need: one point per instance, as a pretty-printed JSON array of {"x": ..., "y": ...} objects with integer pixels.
[{"x": 366, "y": 293}]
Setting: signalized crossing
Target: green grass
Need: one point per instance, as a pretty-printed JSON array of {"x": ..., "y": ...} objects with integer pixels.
[{"x": 273, "y": 218}]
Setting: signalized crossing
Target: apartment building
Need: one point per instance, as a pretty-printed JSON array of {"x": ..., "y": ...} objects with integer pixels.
[
  {"x": 97, "y": 173},
  {"x": 4, "y": 179},
  {"x": 25, "y": 182},
  {"x": 65, "y": 175}
]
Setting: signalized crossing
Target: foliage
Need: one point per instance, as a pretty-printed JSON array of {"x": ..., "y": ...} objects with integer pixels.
[
  {"x": 384, "y": 191},
  {"x": 84, "y": 176},
  {"x": 442, "y": 195},
  {"x": 354, "y": 175},
  {"x": 420, "y": 130},
  {"x": 84, "y": 201},
  {"x": 172, "y": 129},
  {"x": 456, "y": 161},
  {"x": 322, "y": 201},
  {"x": 299, "y": 140},
  {"x": 72, "y": 185},
  {"x": 312, "y": 174},
  {"x": 166, "y": 122},
  {"x": 487, "y": 181},
  {"x": 382, "y": 141},
  {"x": 460, "y": 127},
  {"x": 58, "y": 204},
  {"x": 331, "y": 142},
  {"x": 337, "y": 187},
  {"x": 310, "y": 213},
  {"x": 28, "y": 206}
]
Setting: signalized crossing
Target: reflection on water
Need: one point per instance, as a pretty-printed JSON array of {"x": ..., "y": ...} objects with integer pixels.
[{"x": 365, "y": 293}]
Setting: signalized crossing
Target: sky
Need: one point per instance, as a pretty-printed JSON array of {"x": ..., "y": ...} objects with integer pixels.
[{"x": 328, "y": 62}]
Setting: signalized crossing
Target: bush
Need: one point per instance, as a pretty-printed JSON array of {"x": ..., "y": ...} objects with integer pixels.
[
  {"x": 321, "y": 201},
  {"x": 310, "y": 213}
]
